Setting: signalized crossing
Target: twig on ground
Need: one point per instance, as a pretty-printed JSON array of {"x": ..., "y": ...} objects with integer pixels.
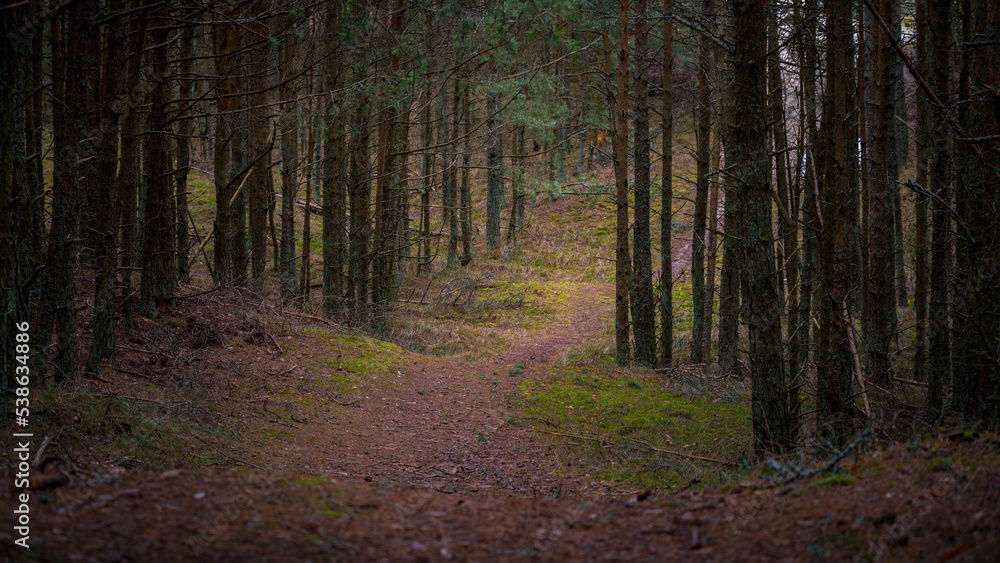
[
  {"x": 274, "y": 340},
  {"x": 790, "y": 472},
  {"x": 94, "y": 376},
  {"x": 642, "y": 443},
  {"x": 200, "y": 293},
  {"x": 113, "y": 396},
  {"x": 915, "y": 383},
  {"x": 41, "y": 451},
  {"x": 287, "y": 371},
  {"x": 305, "y": 316},
  {"x": 224, "y": 454},
  {"x": 132, "y": 373}
]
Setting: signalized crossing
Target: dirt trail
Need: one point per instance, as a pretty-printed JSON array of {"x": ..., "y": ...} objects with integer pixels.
[
  {"x": 590, "y": 308},
  {"x": 443, "y": 423}
]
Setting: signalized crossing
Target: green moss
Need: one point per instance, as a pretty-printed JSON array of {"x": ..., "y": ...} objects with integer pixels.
[
  {"x": 602, "y": 231},
  {"x": 835, "y": 479},
  {"x": 628, "y": 412}
]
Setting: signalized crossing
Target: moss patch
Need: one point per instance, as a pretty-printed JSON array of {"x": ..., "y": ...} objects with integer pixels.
[
  {"x": 836, "y": 479},
  {"x": 621, "y": 415}
]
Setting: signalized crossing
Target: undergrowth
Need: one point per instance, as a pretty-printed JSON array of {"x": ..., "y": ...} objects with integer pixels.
[
  {"x": 149, "y": 428},
  {"x": 476, "y": 318}
]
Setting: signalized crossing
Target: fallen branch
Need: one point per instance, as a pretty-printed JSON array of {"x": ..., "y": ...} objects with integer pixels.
[
  {"x": 790, "y": 472},
  {"x": 413, "y": 302},
  {"x": 222, "y": 453},
  {"x": 355, "y": 403},
  {"x": 95, "y": 377},
  {"x": 274, "y": 340},
  {"x": 281, "y": 373},
  {"x": 140, "y": 399},
  {"x": 893, "y": 396},
  {"x": 858, "y": 374},
  {"x": 647, "y": 445},
  {"x": 206, "y": 292},
  {"x": 912, "y": 382},
  {"x": 305, "y": 316},
  {"x": 132, "y": 373},
  {"x": 41, "y": 451}
]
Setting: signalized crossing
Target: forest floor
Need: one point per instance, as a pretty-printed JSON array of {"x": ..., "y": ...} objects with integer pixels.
[{"x": 430, "y": 458}]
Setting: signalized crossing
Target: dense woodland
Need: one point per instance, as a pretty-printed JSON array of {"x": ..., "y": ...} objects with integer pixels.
[{"x": 846, "y": 210}]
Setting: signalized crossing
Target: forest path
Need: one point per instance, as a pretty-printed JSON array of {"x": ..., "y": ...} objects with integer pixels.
[
  {"x": 422, "y": 461},
  {"x": 440, "y": 422}
]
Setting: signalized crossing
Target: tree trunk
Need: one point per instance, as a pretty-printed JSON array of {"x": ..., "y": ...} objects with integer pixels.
[
  {"x": 643, "y": 312},
  {"x": 382, "y": 258},
  {"x": 289, "y": 173},
  {"x": 360, "y": 197},
  {"x": 401, "y": 198},
  {"x": 258, "y": 187},
  {"x": 127, "y": 182},
  {"x": 387, "y": 204},
  {"x": 966, "y": 310},
  {"x": 221, "y": 155},
  {"x": 881, "y": 295},
  {"x": 37, "y": 202},
  {"x": 184, "y": 128},
  {"x": 11, "y": 76},
  {"x": 977, "y": 379},
  {"x": 452, "y": 183},
  {"x": 788, "y": 266},
  {"x": 159, "y": 265},
  {"x": 465, "y": 209},
  {"x": 920, "y": 245},
  {"x": 712, "y": 245},
  {"x": 729, "y": 277},
  {"x": 702, "y": 134},
  {"x": 240, "y": 144},
  {"x": 773, "y": 427},
  {"x": 75, "y": 151},
  {"x": 898, "y": 158},
  {"x": 334, "y": 177},
  {"x": 809, "y": 210},
  {"x": 427, "y": 173},
  {"x": 667, "y": 194},
  {"x": 517, "y": 183},
  {"x": 304, "y": 272},
  {"x": 494, "y": 164},
  {"x": 623, "y": 259},
  {"x": 939, "y": 373},
  {"x": 835, "y": 361},
  {"x": 106, "y": 214}
]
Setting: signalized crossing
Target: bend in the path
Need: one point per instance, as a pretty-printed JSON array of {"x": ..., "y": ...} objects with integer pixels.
[
  {"x": 446, "y": 423},
  {"x": 589, "y": 309}
]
